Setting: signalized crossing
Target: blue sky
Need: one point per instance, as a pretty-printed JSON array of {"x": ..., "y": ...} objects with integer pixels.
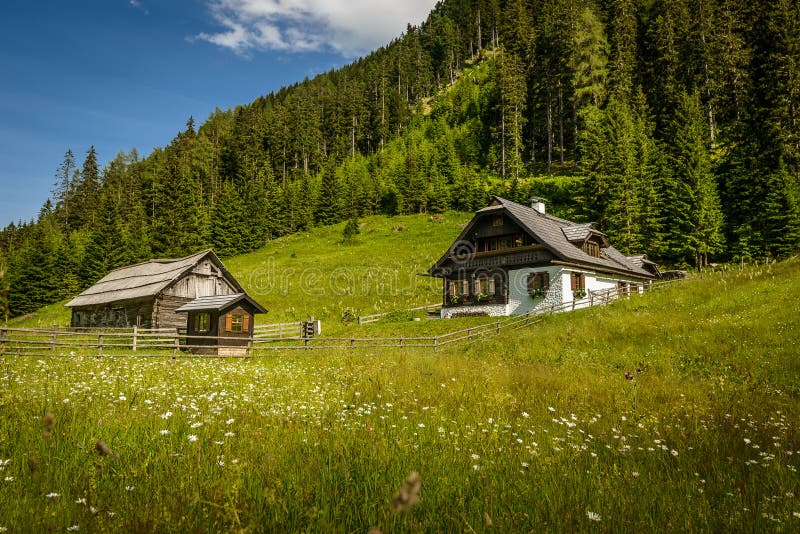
[{"x": 119, "y": 74}]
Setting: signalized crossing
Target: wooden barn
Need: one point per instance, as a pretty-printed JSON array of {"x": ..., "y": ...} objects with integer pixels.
[{"x": 149, "y": 294}]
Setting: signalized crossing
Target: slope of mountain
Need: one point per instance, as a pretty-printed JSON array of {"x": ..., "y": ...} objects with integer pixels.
[{"x": 670, "y": 124}]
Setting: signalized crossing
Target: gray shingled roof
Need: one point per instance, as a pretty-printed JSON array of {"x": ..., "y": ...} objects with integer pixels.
[
  {"x": 556, "y": 235},
  {"x": 142, "y": 280},
  {"x": 577, "y": 232},
  {"x": 219, "y": 302}
]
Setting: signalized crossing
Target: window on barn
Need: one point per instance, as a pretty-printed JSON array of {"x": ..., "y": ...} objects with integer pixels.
[
  {"x": 497, "y": 221},
  {"x": 202, "y": 322},
  {"x": 237, "y": 322}
]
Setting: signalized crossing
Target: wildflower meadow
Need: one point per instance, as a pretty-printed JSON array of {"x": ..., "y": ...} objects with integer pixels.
[{"x": 677, "y": 411}]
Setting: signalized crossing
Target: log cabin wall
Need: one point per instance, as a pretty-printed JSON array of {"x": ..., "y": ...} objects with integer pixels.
[
  {"x": 124, "y": 314},
  {"x": 164, "y": 315}
]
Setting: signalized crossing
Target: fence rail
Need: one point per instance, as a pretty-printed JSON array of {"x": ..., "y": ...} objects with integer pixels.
[
  {"x": 45, "y": 342},
  {"x": 366, "y": 319},
  {"x": 278, "y": 330}
]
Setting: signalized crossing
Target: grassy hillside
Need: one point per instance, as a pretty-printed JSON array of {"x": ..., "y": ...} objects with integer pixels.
[
  {"x": 539, "y": 430},
  {"x": 314, "y": 273}
]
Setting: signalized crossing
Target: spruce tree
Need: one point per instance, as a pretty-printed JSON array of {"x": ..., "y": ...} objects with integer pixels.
[
  {"x": 105, "y": 249},
  {"x": 329, "y": 201},
  {"x": 86, "y": 191},
  {"x": 781, "y": 215},
  {"x": 229, "y": 229},
  {"x": 63, "y": 188},
  {"x": 698, "y": 222}
]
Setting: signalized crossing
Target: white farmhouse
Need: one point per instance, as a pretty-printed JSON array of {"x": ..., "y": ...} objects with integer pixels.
[{"x": 513, "y": 259}]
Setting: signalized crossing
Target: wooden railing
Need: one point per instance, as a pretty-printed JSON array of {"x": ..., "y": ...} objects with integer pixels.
[{"x": 49, "y": 342}]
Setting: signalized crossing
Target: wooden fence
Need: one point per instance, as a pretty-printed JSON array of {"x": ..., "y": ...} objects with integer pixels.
[
  {"x": 47, "y": 342},
  {"x": 366, "y": 319},
  {"x": 279, "y": 330}
]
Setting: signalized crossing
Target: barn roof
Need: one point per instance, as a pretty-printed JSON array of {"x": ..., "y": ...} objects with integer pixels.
[
  {"x": 220, "y": 302},
  {"x": 559, "y": 237},
  {"x": 145, "y": 279}
]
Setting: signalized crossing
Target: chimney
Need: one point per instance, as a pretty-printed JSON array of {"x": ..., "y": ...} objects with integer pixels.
[{"x": 538, "y": 204}]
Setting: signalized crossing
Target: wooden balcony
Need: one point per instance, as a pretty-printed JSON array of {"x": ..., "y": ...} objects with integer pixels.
[{"x": 505, "y": 257}]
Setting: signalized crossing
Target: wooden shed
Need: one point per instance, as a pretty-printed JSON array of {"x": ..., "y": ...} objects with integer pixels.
[
  {"x": 224, "y": 324},
  {"x": 148, "y": 294}
]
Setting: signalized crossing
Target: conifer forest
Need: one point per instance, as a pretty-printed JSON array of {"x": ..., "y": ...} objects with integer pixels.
[{"x": 674, "y": 125}]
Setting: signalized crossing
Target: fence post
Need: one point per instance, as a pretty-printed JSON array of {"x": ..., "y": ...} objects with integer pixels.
[
  {"x": 99, "y": 345},
  {"x": 250, "y": 347},
  {"x": 359, "y": 320},
  {"x": 401, "y": 342},
  {"x": 435, "y": 344},
  {"x": 175, "y": 347},
  {"x": 305, "y": 343},
  {"x": 134, "y": 341},
  {"x": 498, "y": 327},
  {"x": 54, "y": 337},
  {"x": 469, "y": 334},
  {"x": 352, "y": 342},
  {"x": 3, "y": 338}
]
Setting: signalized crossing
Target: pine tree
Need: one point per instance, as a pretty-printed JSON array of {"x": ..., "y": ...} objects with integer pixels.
[
  {"x": 781, "y": 215},
  {"x": 228, "y": 230},
  {"x": 329, "y": 202},
  {"x": 66, "y": 268},
  {"x": 513, "y": 92},
  {"x": 86, "y": 191},
  {"x": 63, "y": 187},
  {"x": 589, "y": 59},
  {"x": 105, "y": 249},
  {"x": 350, "y": 231},
  {"x": 30, "y": 278},
  {"x": 698, "y": 219}
]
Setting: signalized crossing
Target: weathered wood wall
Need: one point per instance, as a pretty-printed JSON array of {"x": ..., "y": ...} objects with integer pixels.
[
  {"x": 205, "y": 280},
  {"x": 164, "y": 315},
  {"x": 123, "y": 314}
]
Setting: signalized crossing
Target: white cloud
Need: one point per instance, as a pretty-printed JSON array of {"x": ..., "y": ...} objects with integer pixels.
[
  {"x": 136, "y": 4},
  {"x": 349, "y": 27}
]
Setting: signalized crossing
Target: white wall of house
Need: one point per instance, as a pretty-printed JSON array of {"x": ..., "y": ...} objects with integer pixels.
[
  {"x": 560, "y": 292},
  {"x": 519, "y": 301}
]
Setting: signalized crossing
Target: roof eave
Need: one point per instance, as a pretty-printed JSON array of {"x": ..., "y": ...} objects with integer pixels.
[{"x": 603, "y": 269}]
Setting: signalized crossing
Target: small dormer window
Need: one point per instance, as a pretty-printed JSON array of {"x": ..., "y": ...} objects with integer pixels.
[
  {"x": 497, "y": 221},
  {"x": 592, "y": 249}
]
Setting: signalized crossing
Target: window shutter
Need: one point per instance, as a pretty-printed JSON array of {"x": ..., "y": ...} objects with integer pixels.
[
  {"x": 573, "y": 281},
  {"x": 246, "y": 323},
  {"x": 228, "y": 322},
  {"x": 196, "y": 323},
  {"x": 545, "y": 281}
]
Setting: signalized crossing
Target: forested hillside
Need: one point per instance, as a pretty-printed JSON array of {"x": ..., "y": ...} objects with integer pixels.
[{"x": 674, "y": 124}]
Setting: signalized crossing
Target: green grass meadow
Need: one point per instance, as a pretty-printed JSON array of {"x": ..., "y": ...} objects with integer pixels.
[{"x": 536, "y": 430}]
